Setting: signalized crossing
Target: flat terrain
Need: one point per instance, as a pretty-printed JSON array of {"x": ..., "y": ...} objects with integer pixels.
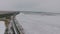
[{"x": 39, "y": 24}]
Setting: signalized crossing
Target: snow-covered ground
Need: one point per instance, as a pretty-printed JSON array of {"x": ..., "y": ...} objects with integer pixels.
[
  {"x": 2, "y": 27},
  {"x": 37, "y": 24}
]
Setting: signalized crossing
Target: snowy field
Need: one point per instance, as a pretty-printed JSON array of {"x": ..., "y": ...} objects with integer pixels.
[{"x": 37, "y": 24}]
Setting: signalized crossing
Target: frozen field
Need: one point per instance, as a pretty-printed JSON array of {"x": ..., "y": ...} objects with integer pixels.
[{"x": 37, "y": 24}]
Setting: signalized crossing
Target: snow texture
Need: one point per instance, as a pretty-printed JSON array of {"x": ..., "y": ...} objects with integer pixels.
[{"x": 37, "y": 24}]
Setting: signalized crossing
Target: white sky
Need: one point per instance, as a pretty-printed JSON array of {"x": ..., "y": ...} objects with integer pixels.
[{"x": 34, "y": 5}]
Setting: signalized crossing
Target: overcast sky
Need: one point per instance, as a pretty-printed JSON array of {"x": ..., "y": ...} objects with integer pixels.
[{"x": 33, "y": 5}]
